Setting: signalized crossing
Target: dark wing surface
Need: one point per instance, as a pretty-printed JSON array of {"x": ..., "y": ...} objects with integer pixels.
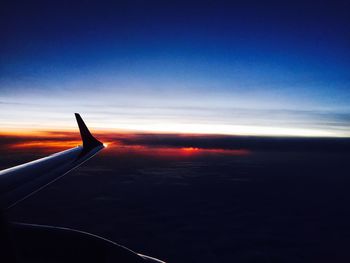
[
  {"x": 39, "y": 243},
  {"x": 19, "y": 182}
]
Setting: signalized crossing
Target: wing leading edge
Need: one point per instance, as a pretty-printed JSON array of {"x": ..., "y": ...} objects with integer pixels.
[
  {"x": 34, "y": 243},
  {"x": 19, "y": 182}
]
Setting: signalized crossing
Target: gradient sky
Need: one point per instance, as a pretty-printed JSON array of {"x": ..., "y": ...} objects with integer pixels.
[{"x": 255, "y": 68}]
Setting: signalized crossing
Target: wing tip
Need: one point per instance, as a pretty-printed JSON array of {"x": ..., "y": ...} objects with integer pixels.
[{"x": 89, "y": 141}]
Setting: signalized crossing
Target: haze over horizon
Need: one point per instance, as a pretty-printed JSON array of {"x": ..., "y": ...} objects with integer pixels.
[{"x": 271, "y": 69}]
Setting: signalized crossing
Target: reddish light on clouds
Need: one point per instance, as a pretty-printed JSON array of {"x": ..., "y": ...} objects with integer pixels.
[
  {"x": 195, "y": 150},
  {"x": 168, "y": 152},
  {"x": 190, "y": 149},
  {"x": 58, "y": 141},
  {"x": 46, "y": 145}
]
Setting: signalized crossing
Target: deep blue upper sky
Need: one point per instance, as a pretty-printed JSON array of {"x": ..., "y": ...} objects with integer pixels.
[{"x": 259, "y": 65}]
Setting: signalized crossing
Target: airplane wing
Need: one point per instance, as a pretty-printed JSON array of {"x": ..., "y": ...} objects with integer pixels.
[
  {"x": 19, "y": 182},
  {"x": 38, "y": 243}
]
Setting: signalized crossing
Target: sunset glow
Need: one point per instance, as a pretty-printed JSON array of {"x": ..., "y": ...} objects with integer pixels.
[
  {"x": 190, "y": 130},
  {"x": 122, "y": 145},
  {"x": 45, "y": 146}
]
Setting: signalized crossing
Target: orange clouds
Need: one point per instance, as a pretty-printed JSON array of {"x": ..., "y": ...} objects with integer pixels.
[{"x": 158, "y": 146}]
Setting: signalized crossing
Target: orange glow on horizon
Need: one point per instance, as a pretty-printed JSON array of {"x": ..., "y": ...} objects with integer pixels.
[
  {"x": 190, "y": 149},
  {"x": 47, "y": 141},
  {"x": 46, "y": 144},
  {"x": 195, "y": 150},
  {"x": 166, "y": 152}
]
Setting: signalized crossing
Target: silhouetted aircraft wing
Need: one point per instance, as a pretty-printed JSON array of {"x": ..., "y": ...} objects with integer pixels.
[
  {"x": 19, "y": 182},
  {"x": 38, "y": 243}
]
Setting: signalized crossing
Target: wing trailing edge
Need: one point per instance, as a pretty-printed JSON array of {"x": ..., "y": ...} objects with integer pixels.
[
  {"x": 20, "y": 182},
  {"x": 37, "y": 243}
]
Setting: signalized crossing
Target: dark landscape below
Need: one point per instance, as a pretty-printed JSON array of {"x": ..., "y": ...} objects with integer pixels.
[{"x": 195, "y": 199}]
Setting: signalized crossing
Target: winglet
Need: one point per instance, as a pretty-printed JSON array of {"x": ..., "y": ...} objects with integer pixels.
[{"x": 89, "y": 141}]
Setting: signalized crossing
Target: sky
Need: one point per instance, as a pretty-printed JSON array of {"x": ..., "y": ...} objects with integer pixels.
[{"x": 277, "y": 68}]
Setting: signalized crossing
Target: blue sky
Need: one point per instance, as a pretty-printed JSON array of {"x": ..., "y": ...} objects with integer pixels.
[{"x": 203, "y": 67}]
